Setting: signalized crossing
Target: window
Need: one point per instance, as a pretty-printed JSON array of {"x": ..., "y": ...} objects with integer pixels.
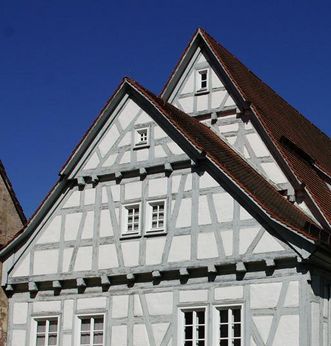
[
  {"x": 91, "y": 330},
  {"x": 202, "y": 80},
  {"x": 156, "y": 217},
  {"x": 141, "y": 139},
  {"x": 229, "y": 326},
  {"x": 193, "y": 327},
  {"x": 131, "y": 219},
  {"x": 46, "y": 331}
]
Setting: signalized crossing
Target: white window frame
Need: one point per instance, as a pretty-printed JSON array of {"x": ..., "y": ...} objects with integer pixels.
[
  {"x": 181, "y": 323},
  {"x": 124, "y": 220},
  {"x": 138, "y": 144},
  {"x": 199, "y": 73},
  {"x": 79, "y": 318},
  {"x": 216, "y": 322},
  {"x": 149, "y": 217},
  {"x": 35, "y": 321}
]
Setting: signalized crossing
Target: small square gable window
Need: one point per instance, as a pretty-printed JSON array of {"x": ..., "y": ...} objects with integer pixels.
[
  {"x": 202, "y": 80},
  {"x": 141, "y": 138}
]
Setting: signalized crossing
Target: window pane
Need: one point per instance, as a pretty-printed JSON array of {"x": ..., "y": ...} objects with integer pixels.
[
  {"x": 188, "y": 332},
  {"x": 224, "y": 316},
  {"x": 52, "y": 339},
  {"x": 40, "y": 340},
  {"x": 188, "y": 343},
  {"x": 236, "y": 342},
  {"x": 224, "y": 330},
  {"x": 236, "y": 330},
  {"x": 201, "y": 343},
  {"x": 53, "y": 326},
  {"x": 188, "y": 317},
  {"x": 224, "y": 343},
  {"x": 236, "y": 315},
  {"x": 201, "y": 332},
  {"x": 98, "y": 338},
  {"x": 201, "y": 317},
  {"x": 41, "y": 326},
  {"x": 86, "y": 324},
  {"x": 98, "y": 323},
  {"x": 85, "y": 339}
]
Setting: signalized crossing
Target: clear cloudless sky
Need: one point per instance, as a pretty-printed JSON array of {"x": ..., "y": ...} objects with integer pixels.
[{"x": 61, "y": 60}]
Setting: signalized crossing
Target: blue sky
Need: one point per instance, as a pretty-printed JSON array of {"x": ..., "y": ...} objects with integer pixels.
[{"x": 61, "y": 60}]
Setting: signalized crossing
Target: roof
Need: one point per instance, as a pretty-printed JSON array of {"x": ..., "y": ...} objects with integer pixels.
[
  {"x": 238, "y": 169},
  {"x": 11, "y": 191},
  {"x": 305, "y": 149}
]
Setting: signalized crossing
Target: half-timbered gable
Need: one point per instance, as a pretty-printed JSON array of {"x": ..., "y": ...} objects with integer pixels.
[{"x": 175, "y": 222}]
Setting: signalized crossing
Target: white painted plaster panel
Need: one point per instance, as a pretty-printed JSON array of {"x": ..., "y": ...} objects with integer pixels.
[
  {"x": 22, "y": 269},
  {"x": 84, "y": 258},
  {"x": 229, "y": 128},
  {"x": 217, "y": 98},
  {"x": 73, "y": 200},
  {"x": 143, "y": 119},
  {"x": 89, "y": 196},
  {"x": 229, "y": 102},
  {"x": 201, "y": 58},
  {"x": 92, "y": 162},
  {"x": 202, "y": 102},
  {"x": 128, "y": 113},
  {"x": 244, "y": 214},
  {"x": 45, "y": 262},
  {"x": 159, "y": 133},
  {"x": 130, "y": 252},
  {"x": 18, "y": 337},
  {"x": 68, "y": 312},
  {"x": 88, "y": 226},
  {"x": 184, "y": 213},
  {"x": 67, "y": 339},
  {"x": 52, "y": 232},
  {"x": 287, "y": 333},
  {"x": 292, "y": 294},
  {"x": 207, "y": 247},
  {"x": 72, "y": 222},
  {"x": 224, "y": 206},
  {"x": 119, "y": 336},
  {"x": 180, "y": 249},
  {"x": 104, "y": 195},
  {"x": 159, "y": 303},
  {"x": 273, "y": 172},
  {"x": 215, "y": 81},
  {"x": 108, "y": 140},
  {"x": 106, "y": 228},
  {"x": 227, "y": 238},
  {"x": 246, "y": 236},
  {"x": 91, "y": 303},
  {"x": 186, "y": 103},
  {"x": 159, "y": 151},
  {"x": 154, "y": 250},
  {"x": 115, "y": 192},
  {"x": 267, "y": 244},
  {"x": 67, "y": 254},
  {"x": 157, "y": 187},
  {"x": 188, "y": 182},
  {"x": 193, "y": 296},
  {"x": 174, "y": 148},
  {"x": 120, "y": 306},
  {"x": 248, "y": 125},
  {"x": 137, "y": 309},
  {"x": 46, "y": 306},
  {"x": 204, "y": 214},
  {"x": 110, "y": 160},
  {"x": 265, "y": 295},
  {"x": 232, "y": 140},
  {"x": 206, "y": 181},
  {"x": 188, "y": 86},
  {"x": 142, "y": 154},
  {"x": 126, "y": 158},
  {"x": 133, "y": 190},
  {"x": 20, "y": 313},
  {"x": 107, "y": 256},
  {"x": 159, "y": 330},
  {"x": 233, "y": 292},
  {"x": 140, "y": 337},
  {"x": 257, "y": 145},
  {"x": 263, "y": 325},
  {"x": 126, "y": 140}
]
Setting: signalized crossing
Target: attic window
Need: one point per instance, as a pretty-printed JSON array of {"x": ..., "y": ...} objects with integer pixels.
[
  {"x": 141, "y": 138},
  {"x": 202, "y": 80}
]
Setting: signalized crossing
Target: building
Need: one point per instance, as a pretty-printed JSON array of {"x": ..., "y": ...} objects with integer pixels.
[
  {"x": 12, "y": 219},
  {"x": 199, "y": 217}
]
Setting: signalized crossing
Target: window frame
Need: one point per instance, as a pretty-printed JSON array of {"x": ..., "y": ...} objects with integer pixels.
[
  {"x": 181, "y": 323},
  {"x": 36, "y": 319},
  {"x": 149, "y": 230},
  {"x": 79, "y": 318},
  {"x": 124, "y": 220},
  {"x": 136, "y": 138},
  {"x": 199, "y": 81},
  {"x": 216, "y": 322}
]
